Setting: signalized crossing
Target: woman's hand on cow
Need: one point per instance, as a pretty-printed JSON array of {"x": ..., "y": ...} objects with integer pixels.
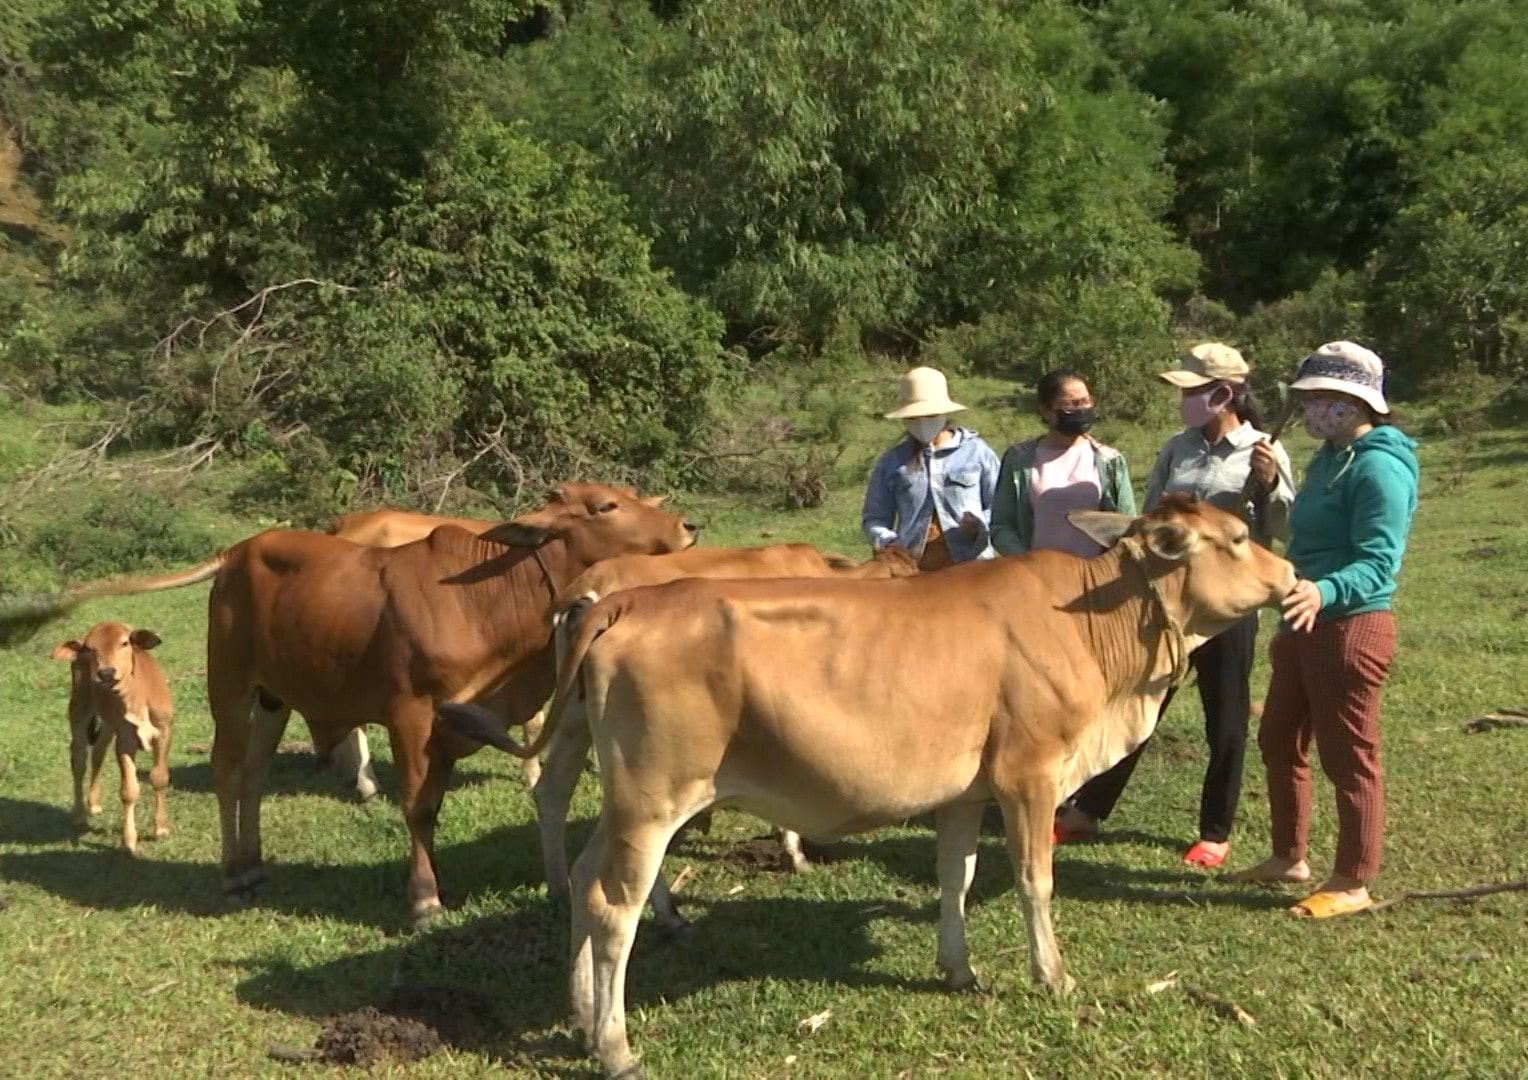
[
  {"x": 1265, "y": 466},
  {"x": 1302, "y": 605}
]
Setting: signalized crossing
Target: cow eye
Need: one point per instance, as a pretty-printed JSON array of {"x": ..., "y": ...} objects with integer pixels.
[
  {"x": 1239, "y": 538},
  {"x": 607, "y": 508}
]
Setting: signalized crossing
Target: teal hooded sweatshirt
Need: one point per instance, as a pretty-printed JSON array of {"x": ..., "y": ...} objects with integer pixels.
[{"x": 1350, "y": 520}]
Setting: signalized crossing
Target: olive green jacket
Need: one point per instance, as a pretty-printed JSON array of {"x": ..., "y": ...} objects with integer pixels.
[{"x": 1013, "y": 525}]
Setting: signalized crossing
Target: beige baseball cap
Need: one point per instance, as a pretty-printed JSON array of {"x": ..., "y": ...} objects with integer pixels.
[
  {"x": 923, "y": 391},
  {"x": 1208, "y": 363}
]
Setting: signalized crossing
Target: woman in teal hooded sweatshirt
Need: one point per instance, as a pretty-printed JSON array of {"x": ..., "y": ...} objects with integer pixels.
[{"x": 1348, "y": 531}]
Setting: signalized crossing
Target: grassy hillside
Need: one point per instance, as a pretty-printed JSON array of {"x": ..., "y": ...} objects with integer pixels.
[{"x": 105, "y": 961}]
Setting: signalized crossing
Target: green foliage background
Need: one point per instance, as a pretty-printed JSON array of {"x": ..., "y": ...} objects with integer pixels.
[{"x": 370, "y": 245}]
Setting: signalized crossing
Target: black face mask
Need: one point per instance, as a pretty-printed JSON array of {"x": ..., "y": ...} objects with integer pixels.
[{"x": 1074, "y": 421}]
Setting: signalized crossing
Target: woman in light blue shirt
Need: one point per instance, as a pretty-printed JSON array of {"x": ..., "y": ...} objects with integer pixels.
[
  {"x": 931, "y": 493},
  {"x": 1212, "y": 458}
]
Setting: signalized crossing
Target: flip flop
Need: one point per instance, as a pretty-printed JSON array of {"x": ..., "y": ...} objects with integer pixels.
[
  {"x": 1328, "y": 905},
  {"x": 1202, "y": 855}
]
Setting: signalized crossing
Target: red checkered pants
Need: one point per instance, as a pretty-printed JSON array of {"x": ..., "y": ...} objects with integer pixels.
[{"x": 1327, "y": 683}]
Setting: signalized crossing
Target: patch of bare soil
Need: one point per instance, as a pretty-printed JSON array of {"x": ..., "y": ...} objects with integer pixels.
[{"x": 414, "y": 1022}]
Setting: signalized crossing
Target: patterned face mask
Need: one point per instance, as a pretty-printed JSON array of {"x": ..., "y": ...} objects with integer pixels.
[{"x": 1326, "y": 419}]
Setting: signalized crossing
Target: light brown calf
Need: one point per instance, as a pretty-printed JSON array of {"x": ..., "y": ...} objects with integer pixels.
[{"x": 118, "y": 694}]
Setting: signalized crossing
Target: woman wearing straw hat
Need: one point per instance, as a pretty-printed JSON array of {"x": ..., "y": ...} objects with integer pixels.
[
  {"x": 931, "y": 493},
  {"x": 1348, "y": 532},
  {"x": 1221, "y": 446}
]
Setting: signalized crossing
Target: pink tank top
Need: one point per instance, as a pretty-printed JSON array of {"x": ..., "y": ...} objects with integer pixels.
[{"x": 1062, "y": 480}]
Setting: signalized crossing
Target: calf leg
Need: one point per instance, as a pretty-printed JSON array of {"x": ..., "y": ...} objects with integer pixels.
[
  {"x": 127, "y": 744},
  {"x": 959, "y": 830},
  {"x": 98, "y": 750},
  {"x": 1028, "y": 815},
  {"x": 792, "y": 843},
  {"x": 79, "y": 750},
  {"x": 159, "y": 776}
]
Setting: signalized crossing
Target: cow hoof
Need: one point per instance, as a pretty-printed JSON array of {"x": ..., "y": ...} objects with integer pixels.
[
  {"x": 423, "y": 912},
  {"x": 677, "y": 931},
  {"x": 162, "y": 833},
  {"x": 631, "y": 1072},
  {"x": 973, "y": 986},
  {"x": 130, "y": 852}
]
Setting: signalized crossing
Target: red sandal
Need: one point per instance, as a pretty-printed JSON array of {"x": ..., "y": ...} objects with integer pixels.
[{"x": 1201, "y": 854}]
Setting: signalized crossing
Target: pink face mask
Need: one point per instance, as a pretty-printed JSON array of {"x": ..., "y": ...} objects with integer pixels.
[{"x": 1199, "y": 409}]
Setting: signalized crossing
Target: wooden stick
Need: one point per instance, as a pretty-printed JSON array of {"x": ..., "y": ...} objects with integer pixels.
[{"x": 1453, "y": 894}]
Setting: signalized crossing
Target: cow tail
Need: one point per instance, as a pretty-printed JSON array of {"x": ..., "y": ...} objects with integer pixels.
[
  {"x": 23, "y": 616},
  {"x": 481, "y": 725}
]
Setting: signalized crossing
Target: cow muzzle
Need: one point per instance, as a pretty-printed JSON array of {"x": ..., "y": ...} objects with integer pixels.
[{"x": 107, "y": 678}]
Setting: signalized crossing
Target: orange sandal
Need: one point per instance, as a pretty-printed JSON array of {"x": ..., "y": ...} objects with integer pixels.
[{"x": 1328, "y": 905}]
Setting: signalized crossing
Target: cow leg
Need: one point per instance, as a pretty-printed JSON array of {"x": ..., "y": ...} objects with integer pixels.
[
  {"x": 1029, "y": 815},
  {"x": 611, "y": 881},
  {"x": 352, "y": 757},
  {"x": 159, "y": 777},
  {"x": 958, "y": 827},
  {"x": 554, "y": 795},
  {"x": 533, "y": 765},
  {"x": 127, "y": 746},
  {"x": 245, "y": 735},
  {"x": 423, "y": 773},
  {"x": 792, "y": 843}
]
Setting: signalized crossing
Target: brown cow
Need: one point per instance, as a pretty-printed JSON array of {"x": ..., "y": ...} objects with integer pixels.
[
  {"x": 808, "y": 704},
  {"x": 567, "y": 752},
  {"x": 390, "y": 528},
  {"x": 118, "y": 693},
  {"x": 350, "y": 635}
]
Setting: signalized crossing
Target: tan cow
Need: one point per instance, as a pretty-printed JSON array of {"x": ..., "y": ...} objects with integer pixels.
[
  {"x": 117, "y": 693},
  {"x": 567, "y": 751},
  {"x": 812, "y": 705},
  {"x": 349, "y": 635}
]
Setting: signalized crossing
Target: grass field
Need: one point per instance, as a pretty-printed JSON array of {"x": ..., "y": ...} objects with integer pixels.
[{"x": 109, "y": 965}]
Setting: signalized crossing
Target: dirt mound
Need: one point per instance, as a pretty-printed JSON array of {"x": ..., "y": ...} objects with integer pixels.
[
  {"x": 414, "y": 1022},
  {"x": 370, "y": 1037}
]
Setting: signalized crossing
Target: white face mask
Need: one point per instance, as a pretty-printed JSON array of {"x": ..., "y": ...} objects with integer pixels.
[{"x": 925, "y": 428}]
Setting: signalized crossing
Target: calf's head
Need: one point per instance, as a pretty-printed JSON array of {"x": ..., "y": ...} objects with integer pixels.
[
  {"x": 1209, "y": 567},
  {"x": 598, "y": 522},
  {"x": 108, "y": 654}
]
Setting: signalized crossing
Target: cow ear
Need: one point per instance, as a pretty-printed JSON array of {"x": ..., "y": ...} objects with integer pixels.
[
  {"x": 143, "y": 639},
  {"x": 653, "y": 500},
  {"x": 556, "y": 493},
  {"x": 69, "y": 650},
  {"x": 1171, "y": 541},
  {"x": 1103, "y": 527},
  {"x": 518, "y": 534}
]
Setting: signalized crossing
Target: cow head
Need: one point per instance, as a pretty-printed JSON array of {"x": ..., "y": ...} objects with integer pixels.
[
  {"x": 1221, "y": 574},
  {"x": 891, "y": 562},
  {"x": 107, "y": 654},
  {"x": 598, "y": 522}
]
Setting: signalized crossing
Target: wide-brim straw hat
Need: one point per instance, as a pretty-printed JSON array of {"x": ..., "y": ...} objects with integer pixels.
[
  {"x": 923, "y": 391},
  {"x": 1208, "y": 363},
  {"x": 1346, "y": 368}
]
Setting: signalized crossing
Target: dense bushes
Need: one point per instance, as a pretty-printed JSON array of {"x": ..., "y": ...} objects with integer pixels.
[{"x": 529, "y": 231}]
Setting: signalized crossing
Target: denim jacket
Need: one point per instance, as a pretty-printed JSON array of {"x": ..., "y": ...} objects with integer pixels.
[{"x": 949, "y": 480}]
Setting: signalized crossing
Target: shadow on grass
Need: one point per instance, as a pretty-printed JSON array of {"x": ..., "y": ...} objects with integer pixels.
[
  {"x": 517, "y": 963},
  {"x": 368, "y": 894},
  {"x": 911, "y": 859},
  {"x": 299, "y": 773},
  {"x": 35, "y": 824}
]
